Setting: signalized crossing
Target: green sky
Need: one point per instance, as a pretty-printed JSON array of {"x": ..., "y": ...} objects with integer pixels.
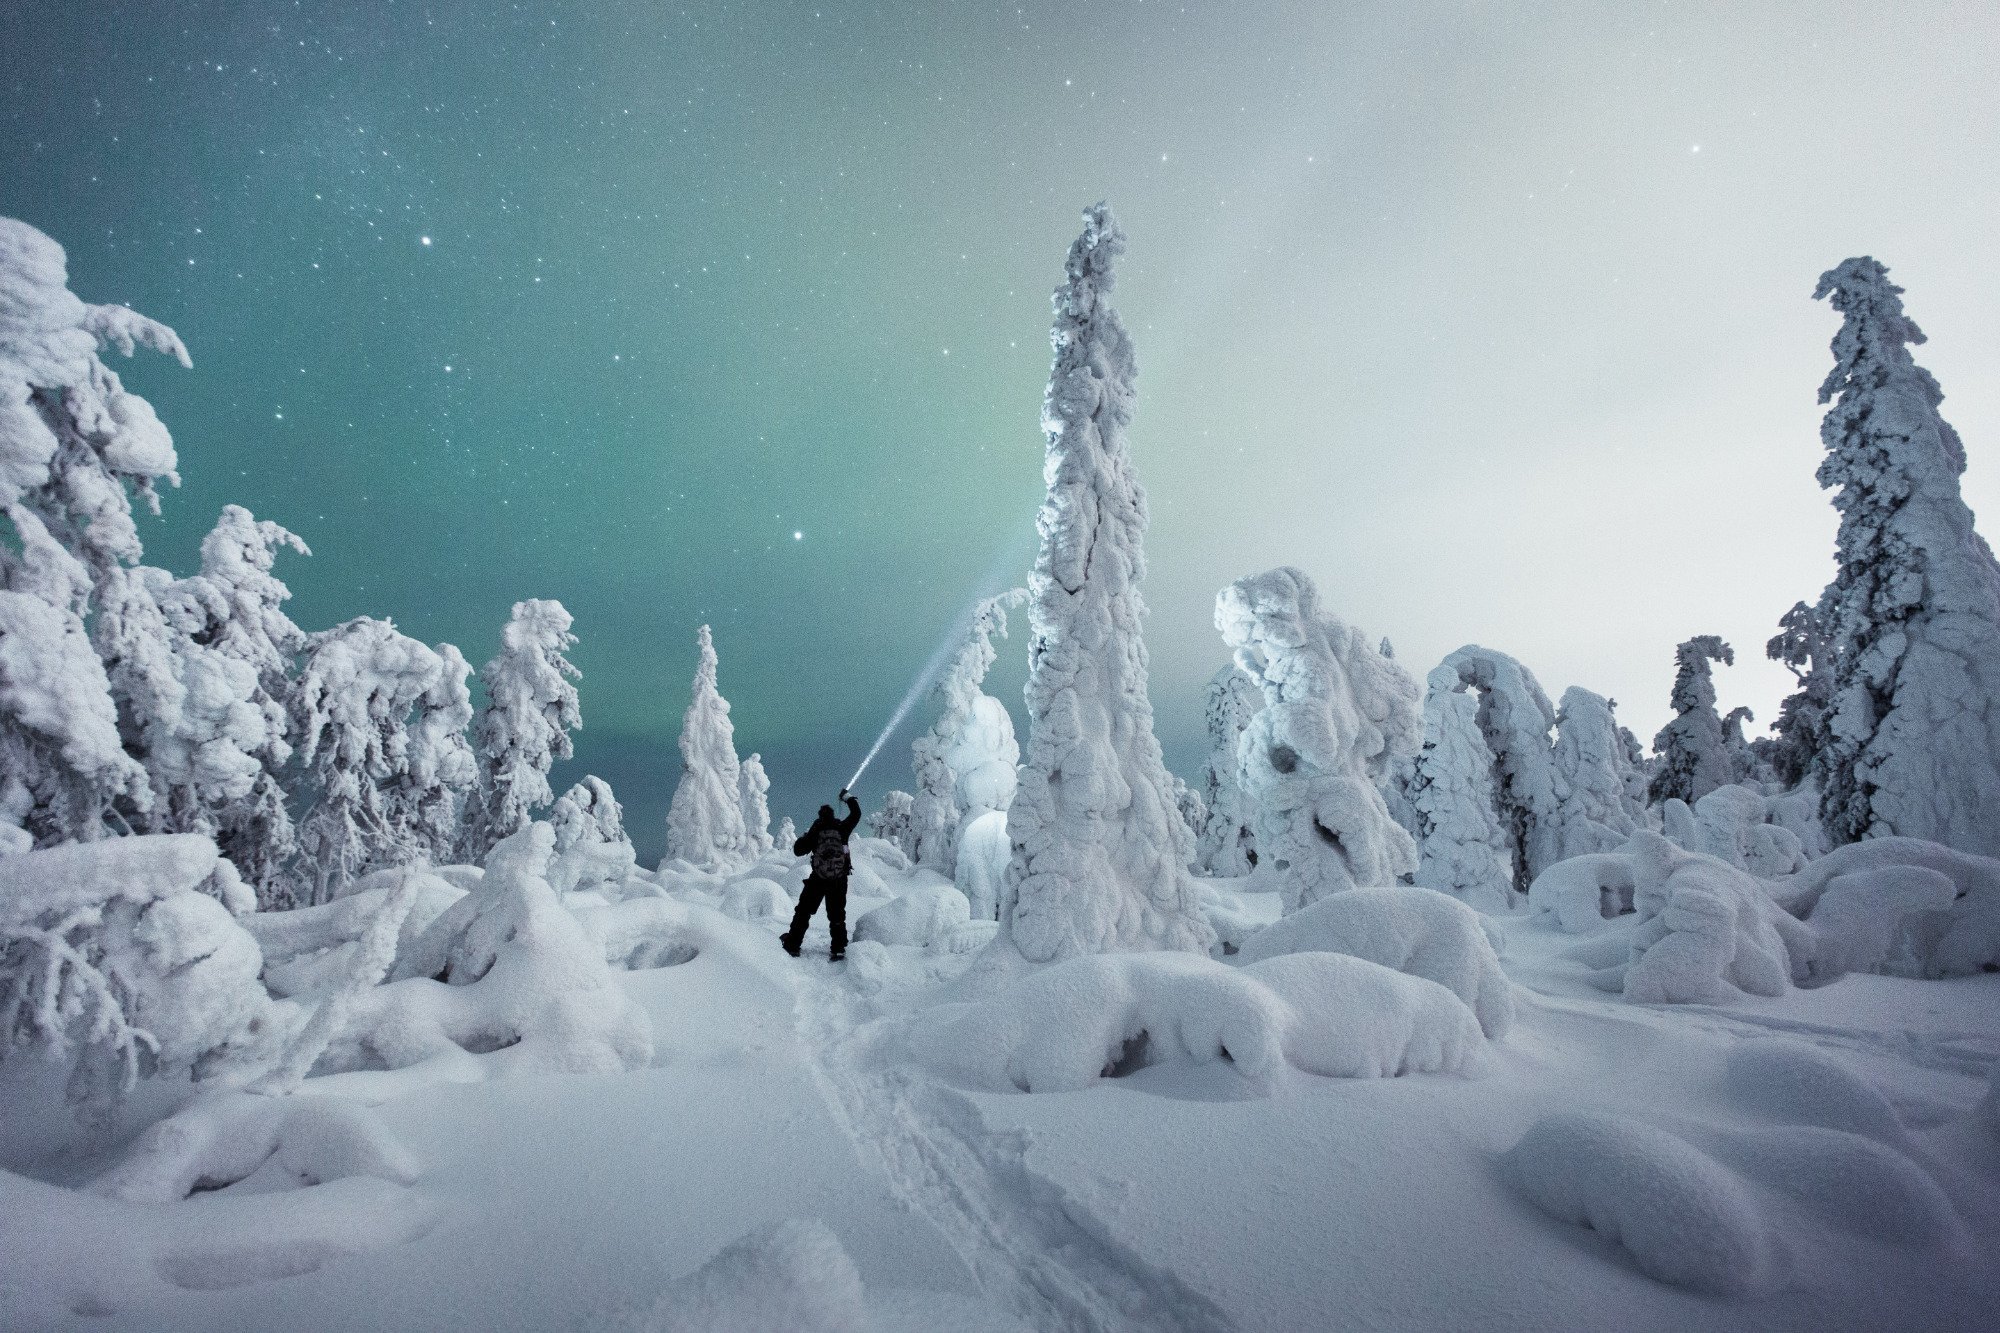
[{"x": 1493, "y": 318}]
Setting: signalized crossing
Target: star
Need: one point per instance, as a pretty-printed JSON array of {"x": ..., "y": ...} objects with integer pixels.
[
  {"x": 424, "y": 239},
  {"x": 798, "y": 536}
]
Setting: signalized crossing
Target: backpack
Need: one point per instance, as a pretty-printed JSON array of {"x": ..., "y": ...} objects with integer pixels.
[{"x": 829, "y": 857}]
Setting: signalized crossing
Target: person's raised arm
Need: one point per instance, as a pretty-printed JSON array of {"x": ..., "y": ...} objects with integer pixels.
[{"x": 853, "y": 819}]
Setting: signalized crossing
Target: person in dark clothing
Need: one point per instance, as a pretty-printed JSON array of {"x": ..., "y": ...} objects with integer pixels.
[{"x": 826, "y": 843}]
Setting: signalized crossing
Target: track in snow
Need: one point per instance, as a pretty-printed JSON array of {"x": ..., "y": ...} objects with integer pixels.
[{"x": 1030, "y": 1246}]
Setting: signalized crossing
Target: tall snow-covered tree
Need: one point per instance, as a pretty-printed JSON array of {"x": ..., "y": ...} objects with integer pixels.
[
  {"x": 1096, "y": 863},
  {"x": 427, "y": 802},
  {"x": 1228, "y": 842},
  {"x": 351, "y": 715},
  {"x": 965, "y": 763},
  {"x": 75, "y": 449},
  {"x": 1592, "y": 805},
  {"x": 1515, "y": 716},
  {"x": 235, "y": 608},
  {"x": 531, "y": 708},
  {"x": 1913, "y": 736},
  {"x": 1690, "y": 758},
  {"x": 1462, "y": 848},
  {"x": 705, "y": 821},
  {"x": 1336, "y": 712},
  {"x": 753, "y": 789}
]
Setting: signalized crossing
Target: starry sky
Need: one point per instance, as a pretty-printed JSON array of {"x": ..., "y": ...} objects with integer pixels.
[{"x": 1493, "y": 318}]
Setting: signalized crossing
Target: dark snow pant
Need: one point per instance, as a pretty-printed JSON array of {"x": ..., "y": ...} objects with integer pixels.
[{"x": 833, "y": 892}]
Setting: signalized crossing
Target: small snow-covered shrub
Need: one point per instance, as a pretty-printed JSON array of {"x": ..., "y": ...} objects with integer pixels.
[
  {"x": 1351, "y": 1018},
  {"x": 1683, "y": 1217},
  {"x": 1584, "y": 892},
  {"x": 924, "y": 917},
  {"x": 1418, "y": 931},
  {"x": 1957, "y": 938},
  {"x": 1706, "y": 931},
  {"x": 754, "y": 900},
  {"x": 112, "y": 948},
  {"x": 504, "y": 968},
  {"x": 792, "y": 1276}
]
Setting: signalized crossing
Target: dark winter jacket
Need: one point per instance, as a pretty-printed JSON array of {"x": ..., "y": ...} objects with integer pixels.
[{"x": 844, "y": 827}]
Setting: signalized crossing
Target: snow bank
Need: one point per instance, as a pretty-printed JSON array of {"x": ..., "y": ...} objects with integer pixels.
[
  {"x": 1797, "y": 1083},
  {"x": 1062, "y": 1027},
  {"x": 1584, "y": 892},
  {"x": 1417, "y": 931},
  {"x": 755, "y": 900},
  {"x": 1683, "y": 1217},
  {"x": 791, "y": 1277}
]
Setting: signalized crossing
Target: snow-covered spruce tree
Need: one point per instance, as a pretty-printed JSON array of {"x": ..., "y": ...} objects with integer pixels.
[
  {"x": 72, "y": 442},
  {"x": 705, "y": 821},
  {"x": 753, "y": 788},
  {"x": 1634, "y": 770},
  {"x": 1515, "y": 717},
  {"x": 531, "y": 708},
  {"x": 588, "y": 811},
  {"x": 1462, "y": 849},
  {"x": 428, "y": 798},
  {"x": 1913, "y": 743},
  {"x": 965, "y": 763},
  {"x": 1591, "y": 813},
  {"x": 1800, "y": 733},
  {"x": 350, "y": 715},
  {"x": 235, "y": 608},
  {"x": 1096, "y": 863},
  {"x": 1228, "y": 844},
  {"x": 1335, "y": 713},
  {"x": 1748, "y": 765},
  {"x": 1689, "y": 758}
]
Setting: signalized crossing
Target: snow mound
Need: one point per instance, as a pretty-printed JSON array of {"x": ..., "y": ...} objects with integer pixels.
[
  {"x": 515, "y": 974},
  {"x": 1683, "y": 1217},
  {"x": 755, "y": 900},
  {"x": 924, "y": 917},
  {"x": 1584, "y": 892},
  {"x": 1351, "y": 1018},
  {"x": 1417, "y": 931},
  {"x": 1847, "y": 1181},
  {"x": 791, "y": 1277},
  {"x": 1062, "y": 1027},
  {"x": 1795, "y": 1083}
]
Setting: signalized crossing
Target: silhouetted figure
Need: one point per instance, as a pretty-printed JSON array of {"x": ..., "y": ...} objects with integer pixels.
[{"x": 826, "y": 843}]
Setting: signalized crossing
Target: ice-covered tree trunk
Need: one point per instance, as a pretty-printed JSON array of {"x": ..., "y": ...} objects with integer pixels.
[
  {"x": 1690, "y": 758},
  {"x": 965, "y": 763},
  {"x": 1336, "y": 711},
  {"x": 72, "y": 442},
  {"x": 753, "y": 789},
  {"x": 1591, "y": 813},
  {"x": 1096, "y": 864},
  {"x": 705, "y": 821},
  {"x": 1913, "y": 736},
  {"x": 351, "y": 714},
  {"x": 1515, "y": 717},
  {"x": 1228, "y": 844},
  {"x": 1462, "y": 849},
  {"x": 531, "y": 708}
]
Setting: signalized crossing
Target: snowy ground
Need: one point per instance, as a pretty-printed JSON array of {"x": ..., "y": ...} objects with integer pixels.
[{"x": 1175, "y": 1197}]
